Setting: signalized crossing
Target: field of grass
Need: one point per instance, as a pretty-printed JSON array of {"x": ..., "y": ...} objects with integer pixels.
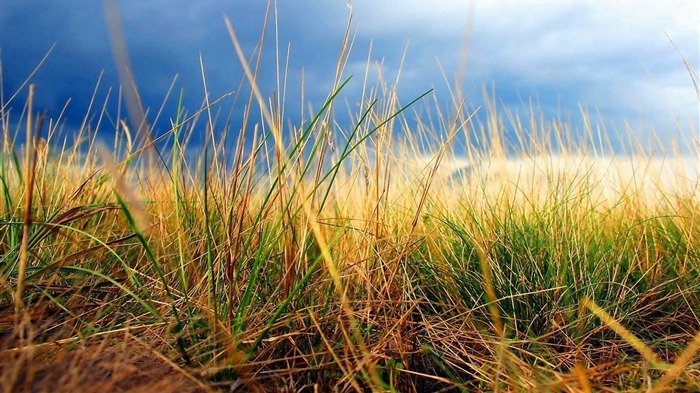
[{"x": 376, "y": 256}]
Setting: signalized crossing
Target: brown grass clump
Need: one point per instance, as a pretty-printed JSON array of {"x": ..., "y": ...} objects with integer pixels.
[{"x": 124, "y": 365}]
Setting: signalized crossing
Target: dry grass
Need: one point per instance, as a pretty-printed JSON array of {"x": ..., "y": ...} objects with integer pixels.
[
  {"x": 120, "y": 364},
  {"x": 370, "y": 257}
]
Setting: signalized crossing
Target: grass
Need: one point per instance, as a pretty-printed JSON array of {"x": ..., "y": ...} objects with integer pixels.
[{"x": 367, "y": 257}]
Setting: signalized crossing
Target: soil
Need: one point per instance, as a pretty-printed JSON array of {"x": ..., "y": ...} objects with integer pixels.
[{"x": 105, "y": 366}]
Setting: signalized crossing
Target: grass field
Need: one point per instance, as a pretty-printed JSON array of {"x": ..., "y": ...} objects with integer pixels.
[{"x": 375, "y": 256}]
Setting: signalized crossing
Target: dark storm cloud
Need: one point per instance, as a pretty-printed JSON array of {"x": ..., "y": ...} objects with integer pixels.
[{"x": 164, "y": 39}]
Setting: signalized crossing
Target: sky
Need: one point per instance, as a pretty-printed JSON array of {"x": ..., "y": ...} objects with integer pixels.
[{"x": 619, "y": 59}]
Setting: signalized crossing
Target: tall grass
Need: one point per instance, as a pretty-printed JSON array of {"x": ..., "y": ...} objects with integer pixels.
[{"x": 372, "y": 256}]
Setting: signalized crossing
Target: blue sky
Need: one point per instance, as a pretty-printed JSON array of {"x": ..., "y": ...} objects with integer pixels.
[{"x": 612, "y": 57}]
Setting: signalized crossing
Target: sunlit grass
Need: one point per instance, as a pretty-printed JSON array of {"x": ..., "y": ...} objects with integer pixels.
[{"x": 369, "y": 256}]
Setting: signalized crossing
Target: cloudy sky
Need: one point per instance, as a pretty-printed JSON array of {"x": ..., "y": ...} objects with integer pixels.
[{"x": 613, "y": 57}]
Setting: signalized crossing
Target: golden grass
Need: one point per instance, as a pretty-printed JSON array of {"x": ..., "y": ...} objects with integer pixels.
[{"x": 358, "y": 259}]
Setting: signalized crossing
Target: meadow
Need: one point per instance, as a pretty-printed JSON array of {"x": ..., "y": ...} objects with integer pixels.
[{"x": 383, "y": 255}]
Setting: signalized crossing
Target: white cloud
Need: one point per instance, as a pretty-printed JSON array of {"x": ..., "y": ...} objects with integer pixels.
[
  {"x": 430, "y": 19},
  {"x": 610, "y": 55}
]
